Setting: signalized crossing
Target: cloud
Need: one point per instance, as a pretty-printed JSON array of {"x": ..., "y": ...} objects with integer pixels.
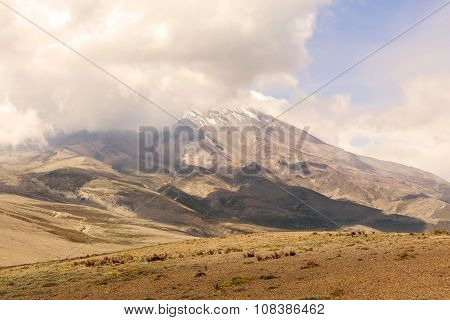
[
  {"x": 405, "y": 117},
  {"x": 181, "y": 54},
  {"x": 208, "y": 54},
  {"x": 414, "y": 132},
  {"x": 17, "y": 126}
]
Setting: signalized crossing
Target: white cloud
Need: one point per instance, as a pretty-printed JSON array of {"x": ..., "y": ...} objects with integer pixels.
[
  {"x": 17, "y": 126},
  {"x": 416, "y": 132},
  {"x": 181, "y": 54},
  {"x": 406, "y": 119}
]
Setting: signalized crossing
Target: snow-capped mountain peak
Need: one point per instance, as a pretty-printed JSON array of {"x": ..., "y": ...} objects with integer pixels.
[{"x": 226, "y": 117}]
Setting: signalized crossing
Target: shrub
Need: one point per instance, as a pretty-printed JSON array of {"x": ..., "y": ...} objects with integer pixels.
[
  {"x": 106, "y": 260},
  {"x": 276, "y": 255},
  {"x": 89, "y": 263},
  {"x": 290, "y": 253},
  {"x": 440, "y": 233},
  {"x": 249, "y": 254},
  {"x": 229, "y": 250},
  {"x": 157, "y": 257}
]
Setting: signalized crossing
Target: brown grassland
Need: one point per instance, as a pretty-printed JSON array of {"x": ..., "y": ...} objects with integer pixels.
[{"x": 272, "y": 265}]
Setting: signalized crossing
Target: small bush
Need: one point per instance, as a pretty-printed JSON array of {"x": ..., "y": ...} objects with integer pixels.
[
  {"x": 229, "y": 250},
  {"x": 114, "y": 260},
  {"x": 277, "y": 255},
  {"x": 89, "y": 263},
  {"x": 157, "y": 257},
  {"x": 440, "y": 233},
  {"x": 249, "y": 254}
]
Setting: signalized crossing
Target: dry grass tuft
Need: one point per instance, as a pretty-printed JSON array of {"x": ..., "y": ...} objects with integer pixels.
[
  {"x": 156, "y": 257},
  {"x": 232, "y": 249},
  {"x": 277, "y": 255},
  {"x": 440, "y": 233},
  {"x": 290, "y": 253},
  {"x": 114, "y": 260},
  {"x": 249, "y": 254}
]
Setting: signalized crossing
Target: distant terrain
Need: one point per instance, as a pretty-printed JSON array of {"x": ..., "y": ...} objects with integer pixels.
[
  {"x": 82, "y": 194},
  {"x": 274, "y": 265}
]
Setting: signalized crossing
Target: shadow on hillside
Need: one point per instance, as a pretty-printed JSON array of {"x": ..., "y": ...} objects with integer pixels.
[{"x": 262, "y": 202}]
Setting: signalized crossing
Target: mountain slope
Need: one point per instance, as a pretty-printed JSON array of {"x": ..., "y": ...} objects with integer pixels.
[
  {"x": 238, "y": 171},
  {"x": 35, "y": 230},
  {"x": 331, "y": 171}
]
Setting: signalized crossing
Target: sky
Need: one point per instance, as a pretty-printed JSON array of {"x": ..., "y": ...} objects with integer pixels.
[{"x": 210, "y": 54}]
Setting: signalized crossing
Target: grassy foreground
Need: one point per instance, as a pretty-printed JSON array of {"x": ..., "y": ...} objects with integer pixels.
[{"x": 281, "y": 265}]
